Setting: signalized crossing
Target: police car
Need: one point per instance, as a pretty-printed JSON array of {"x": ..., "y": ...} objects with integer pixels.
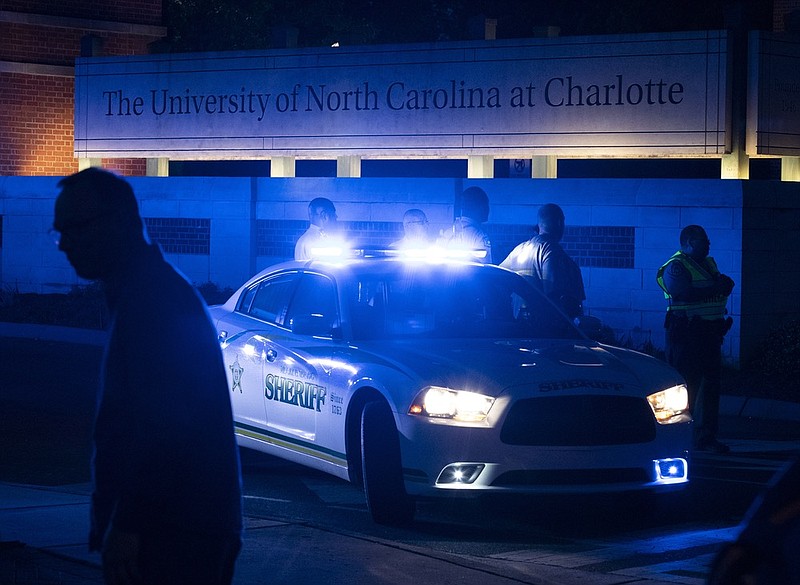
[{"x": 417, "y": 377}]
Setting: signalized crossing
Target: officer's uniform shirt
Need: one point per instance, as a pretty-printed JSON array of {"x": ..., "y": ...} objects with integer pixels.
[
  {"x": 310, "y": 239},
  {"x": 467, "y": 234},
  {"x": 544, "y": 262}
]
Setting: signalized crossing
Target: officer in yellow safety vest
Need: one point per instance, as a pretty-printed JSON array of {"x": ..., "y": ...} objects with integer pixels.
[{"x": 696, "y": 323}]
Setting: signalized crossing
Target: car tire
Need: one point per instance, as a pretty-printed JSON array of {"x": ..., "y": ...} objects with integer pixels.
[{"x": 382, "y": 471}]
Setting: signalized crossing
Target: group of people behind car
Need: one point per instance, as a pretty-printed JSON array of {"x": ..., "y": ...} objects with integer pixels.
[
  {"x": 696, "y": 291},
  {"x": 541, "y": 259}
]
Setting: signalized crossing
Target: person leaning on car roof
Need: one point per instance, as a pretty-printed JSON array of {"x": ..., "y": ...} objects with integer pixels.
[
  {"x": 167, "y": 504},
  {"x": 697, "y": 294},
  {"x": 543, "y": 261},
  {"x": 467, "y": 231}
]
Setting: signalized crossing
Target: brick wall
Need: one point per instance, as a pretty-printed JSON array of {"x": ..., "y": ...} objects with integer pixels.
[
  {"x": 36, "y": 115},
  {"x": 63, "y": 44},
  {"x": 128, "y": 167},
  {"x": 132, "y": 11},
  {"x": 41, "y": 40},
  {"x": 181, "y": 235}
]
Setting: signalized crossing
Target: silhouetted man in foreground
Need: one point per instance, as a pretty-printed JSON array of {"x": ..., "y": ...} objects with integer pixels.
[
  {"x": 166, "y": 507},
  {"x": 765, "y": 552}
]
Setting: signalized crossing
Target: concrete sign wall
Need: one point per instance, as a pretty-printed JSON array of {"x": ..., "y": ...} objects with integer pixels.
[
  {"x": 611, "y": 95},
  {"x": 773, "y": 95}
]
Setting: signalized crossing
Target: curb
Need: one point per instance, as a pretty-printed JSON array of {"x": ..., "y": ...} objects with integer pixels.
[{"x": 763, "y": 408}]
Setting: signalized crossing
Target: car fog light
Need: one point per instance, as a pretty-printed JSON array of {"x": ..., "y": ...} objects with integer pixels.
[
  {"x": 671, "y": 470},
  {"x": 460, "y": 473}
]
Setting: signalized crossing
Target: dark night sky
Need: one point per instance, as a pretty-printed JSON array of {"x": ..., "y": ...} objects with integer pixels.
[{"x": 200, "y": 25}]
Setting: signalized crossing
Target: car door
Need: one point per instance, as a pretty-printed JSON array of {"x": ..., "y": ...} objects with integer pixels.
[
  {"x": 248, "y": 343},
  {"x": 297, "y": 368},
  {"x": 245, "y": 358}
]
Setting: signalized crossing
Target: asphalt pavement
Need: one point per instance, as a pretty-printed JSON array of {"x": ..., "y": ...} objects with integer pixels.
[{"x": 43, "y": 529}]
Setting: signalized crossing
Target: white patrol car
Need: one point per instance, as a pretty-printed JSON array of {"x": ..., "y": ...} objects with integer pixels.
[{"x": 419, "y": 377}]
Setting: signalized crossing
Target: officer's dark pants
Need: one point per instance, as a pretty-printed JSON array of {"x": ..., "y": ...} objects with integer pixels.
[
  {"x": 186, "y": 558},
  {"x": 694, "y": 348}
]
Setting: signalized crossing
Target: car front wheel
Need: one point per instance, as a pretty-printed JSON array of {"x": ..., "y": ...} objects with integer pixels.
[{"x": 387, "y": 500}]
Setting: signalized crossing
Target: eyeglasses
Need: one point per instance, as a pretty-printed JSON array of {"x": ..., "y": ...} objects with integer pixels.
[{"x": 57, "y": 236}]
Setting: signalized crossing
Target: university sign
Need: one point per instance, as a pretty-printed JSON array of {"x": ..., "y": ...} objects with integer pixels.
[
  {"x": 558, "y": 92},
  {"x": 773, "y": 102},
  {"x": 617, "y": 96}
]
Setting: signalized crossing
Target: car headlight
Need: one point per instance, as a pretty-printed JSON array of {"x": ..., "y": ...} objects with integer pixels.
[
  {"x": 446, "y": 403},
  {"x": 671, "y": 405}
]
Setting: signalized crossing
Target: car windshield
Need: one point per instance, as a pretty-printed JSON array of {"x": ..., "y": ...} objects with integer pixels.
[{"x": 398, "y": 300}]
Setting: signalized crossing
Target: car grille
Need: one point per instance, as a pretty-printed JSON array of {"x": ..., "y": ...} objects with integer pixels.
[
  {"x": 573, "y": 421},
  {"x": 571, "y": 477}
]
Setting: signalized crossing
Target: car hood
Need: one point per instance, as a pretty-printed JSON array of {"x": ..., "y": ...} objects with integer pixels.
[{"x": 542, "y": 366}]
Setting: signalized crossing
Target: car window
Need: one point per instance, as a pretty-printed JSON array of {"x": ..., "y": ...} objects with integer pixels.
[
  {"x": 270, "y": 299},
  {"x": 314, "y": 307},
  {"x": 246, "y": 300},
  {"x": 462, "y": 303}
]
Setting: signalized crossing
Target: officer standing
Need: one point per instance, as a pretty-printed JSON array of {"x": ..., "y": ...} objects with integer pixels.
[
  {"x": 322, "y": 221},
  {"x": 467, "y": 232},
  {"x": 415, "y": 231},
  {"x": 544, "y": 262},
  {"x": 697, "y": 295}
]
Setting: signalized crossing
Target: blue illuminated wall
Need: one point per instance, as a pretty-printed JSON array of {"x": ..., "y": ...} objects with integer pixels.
[
  {"x": 224, "y": 229},
  {"x": 599, "y": 246},
  {"x": 181, "y": 235}
]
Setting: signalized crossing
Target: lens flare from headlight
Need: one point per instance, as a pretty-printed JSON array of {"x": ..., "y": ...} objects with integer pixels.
[
  {"x": 670, "y": 405},
  {"x": 446, "y": 403}
]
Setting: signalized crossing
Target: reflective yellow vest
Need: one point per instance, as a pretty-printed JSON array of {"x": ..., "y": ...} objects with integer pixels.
[{"x": 710, "y": 308}]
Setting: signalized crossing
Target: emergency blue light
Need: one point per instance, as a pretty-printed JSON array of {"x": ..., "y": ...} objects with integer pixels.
[{"x": 671, "y": 470}]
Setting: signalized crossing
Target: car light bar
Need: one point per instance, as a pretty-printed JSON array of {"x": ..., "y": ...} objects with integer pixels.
[{"x": 435, "y": 253}]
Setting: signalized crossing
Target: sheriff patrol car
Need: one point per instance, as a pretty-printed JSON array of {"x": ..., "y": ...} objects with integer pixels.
[{"x": 422, "y": 376}]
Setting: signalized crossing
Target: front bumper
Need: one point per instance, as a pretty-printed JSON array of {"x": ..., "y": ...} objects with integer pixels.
[{"x": 439, "y": 458}]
